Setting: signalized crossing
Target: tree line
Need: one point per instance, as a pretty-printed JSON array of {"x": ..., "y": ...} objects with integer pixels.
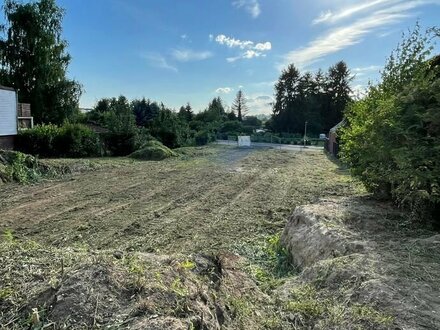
[{"x": 318, "y": 99}]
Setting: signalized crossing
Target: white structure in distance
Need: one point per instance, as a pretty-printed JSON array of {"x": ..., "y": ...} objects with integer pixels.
[{"x": 244, "y": 141}]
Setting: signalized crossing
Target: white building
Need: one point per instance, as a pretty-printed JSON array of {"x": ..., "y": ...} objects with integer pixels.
[{"x": 8, "y": 117}]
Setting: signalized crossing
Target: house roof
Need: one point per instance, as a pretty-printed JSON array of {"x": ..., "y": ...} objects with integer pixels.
[
  {"x": 337, "y": 126},
  {"x": 7, "y": 88}
]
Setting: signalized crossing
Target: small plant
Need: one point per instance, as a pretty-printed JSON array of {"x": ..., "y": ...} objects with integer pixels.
[
  {"x": 178, "y": 288},
  {"x": 8, "y": 236},
  {"x": 188, "y": 265}
]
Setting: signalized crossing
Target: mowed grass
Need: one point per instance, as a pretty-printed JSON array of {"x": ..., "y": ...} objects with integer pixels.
[{"x": 208, "y": 200}]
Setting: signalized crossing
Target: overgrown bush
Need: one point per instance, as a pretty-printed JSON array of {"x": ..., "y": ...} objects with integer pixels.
[
  {"x": 76, "y": 140},
  {"x": 38, "y": 141},
  {"x": 68, "y": 140},
  {"x": 392, "y": 140},
  {"x": 202, "y": 138}
]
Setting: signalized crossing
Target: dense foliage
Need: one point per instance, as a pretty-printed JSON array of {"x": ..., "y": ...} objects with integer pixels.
[
  {"x": 392, "y": 140},
  {"x": 68, "y": 140},
  {"x": 34, "y": 61},
  {"x": 316, "y": 99}
]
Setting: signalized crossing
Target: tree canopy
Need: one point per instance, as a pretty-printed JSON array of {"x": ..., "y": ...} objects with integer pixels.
[
  {"x": 317, "y": 98},
  {"x": 34, "y": 59}
]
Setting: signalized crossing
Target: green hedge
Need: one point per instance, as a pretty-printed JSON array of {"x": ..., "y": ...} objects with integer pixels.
[{"x": 69, "y": 140}]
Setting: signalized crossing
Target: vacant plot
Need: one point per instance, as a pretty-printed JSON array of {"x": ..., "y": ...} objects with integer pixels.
[
  {"x": 206, "y": 203},
  {"x": 193, "y": 242}
]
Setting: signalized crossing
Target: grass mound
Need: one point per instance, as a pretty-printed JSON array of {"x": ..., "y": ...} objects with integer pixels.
[{"x": 153, "y": 150}]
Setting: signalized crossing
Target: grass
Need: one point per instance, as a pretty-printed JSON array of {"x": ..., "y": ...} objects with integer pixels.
[
  {"x": 211, "y": 201},
  {"x": 314, "y": 307}
]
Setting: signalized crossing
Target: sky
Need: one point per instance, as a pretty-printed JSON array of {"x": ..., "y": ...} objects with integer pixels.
[{"x": 179, "y": 51}]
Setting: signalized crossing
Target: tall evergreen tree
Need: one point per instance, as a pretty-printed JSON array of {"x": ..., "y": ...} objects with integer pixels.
[
  {"x": 286, "y": 114},
  {"x": 186, "y": 112},
  {"x": 239, "y": 105},
  {"x": 338, "y": 93},
  {"x": 34, "y": 60}
]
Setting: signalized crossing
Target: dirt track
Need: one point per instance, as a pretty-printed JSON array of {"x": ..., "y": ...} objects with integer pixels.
[{"x": 207, "y": 203}]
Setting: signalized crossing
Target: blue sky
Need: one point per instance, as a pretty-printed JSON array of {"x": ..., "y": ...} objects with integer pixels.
[{"x": 178, "y": 51}]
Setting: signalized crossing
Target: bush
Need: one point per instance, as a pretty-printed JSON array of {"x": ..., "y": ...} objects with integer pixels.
[
  {"x": 119, "y": 143},
  {"x": 69, "y": 140},
  {"x": 153, "y": 150},
  {"x": 76, "y": 140},
  {"x": 39, "y": 140},
  {"x": 202, "y": 138},
  {"x": 392, "y": 138}
]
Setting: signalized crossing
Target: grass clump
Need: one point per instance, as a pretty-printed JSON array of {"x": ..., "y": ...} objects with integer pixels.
[
  {"x": 153, "y": 150},
  {"x": 313, "y": 308}
]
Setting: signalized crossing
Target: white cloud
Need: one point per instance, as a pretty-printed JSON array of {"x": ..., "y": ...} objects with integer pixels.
[
  {"x": 330, "y": 17},
  {"x": 340, "y": 38},
  {"x": 364, "y": 70},
  {"x": 184, "y": 36},
  {"x": 187, "y": 55},
  {"x": 158, "y": 61},
  {"x": 251, "y": 49},
  {"x": 259, "y": 104},
  {"x": 251, "y": 6},
  {"x": 224, "y": 90},
  {"x": 231, "y": 42},
  {"x": 263, "y": 46},
  {"x": 247, "y": 55}
]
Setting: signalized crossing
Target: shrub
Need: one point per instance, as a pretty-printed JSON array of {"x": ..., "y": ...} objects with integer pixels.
[
  {"x": 69, "y": 140},
  {"x": 392, "y": 138},
  {"x": 38, "y": 141},
  {"x": 120, "y": 143},
  {"x": 202, "y": 138},
  {"x": 76, "y": 140}
]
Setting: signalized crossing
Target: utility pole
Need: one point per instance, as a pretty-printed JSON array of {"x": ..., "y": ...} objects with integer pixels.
[{"x": 305, "y": 133}]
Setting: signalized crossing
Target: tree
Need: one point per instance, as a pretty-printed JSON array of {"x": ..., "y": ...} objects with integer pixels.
[
  {"x": 34, "y": 60},
  {"x": 239, "y": 105},
  {"x": 214, "y": 113},
  {"x": 286, "y": 115},
  {"x": 338, "y": 93},
  {"x": 186, "y": 112}
]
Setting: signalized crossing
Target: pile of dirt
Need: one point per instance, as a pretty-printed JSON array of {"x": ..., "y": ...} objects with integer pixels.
[
  {"x": 153, "y": 150},
  {"x": 356, "y": 271}
]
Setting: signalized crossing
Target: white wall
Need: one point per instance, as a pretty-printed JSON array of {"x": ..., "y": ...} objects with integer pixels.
[{"x": 8, "y": 112}]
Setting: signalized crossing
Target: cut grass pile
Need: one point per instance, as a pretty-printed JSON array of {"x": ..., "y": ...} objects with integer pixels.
[{"x": 153, "y": 150}]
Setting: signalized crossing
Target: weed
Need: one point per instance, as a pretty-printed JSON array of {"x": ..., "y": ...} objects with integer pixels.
[
  {"x": 371, "y": 315},
  {"x": 8, "y": 236},
  {"x": 178, "y": 288},
  {"x": 188, "y": 265}
]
